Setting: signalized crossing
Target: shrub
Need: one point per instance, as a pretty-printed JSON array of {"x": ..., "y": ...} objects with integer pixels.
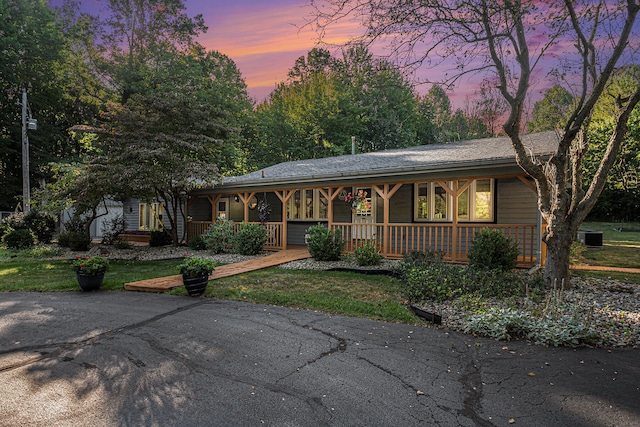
[
  {"x": 194, "y": 266},
  {"x": 15, "y": 221},
  {"x": 112, "y": 227},
  {"x": 367, "y": 254},
  {"x": 41, "y": 224},
  {"x": 437, "y": 282},
  {"x": 219, "y": 237},
  {"x": 490, "y": 249},
  {"x": 122, "y": 244},
  {"x": 500, "y": 323},
  {"x": 506, "y": 324},
  {"x": 250, "y": 239},
  {"x": 324, "y": 244},
  {"x": 18, "y": 239},
  {"x": 160, "y": 238},
  {"x": 76, "y": 241},
  {"x": 197, "y": 243}
]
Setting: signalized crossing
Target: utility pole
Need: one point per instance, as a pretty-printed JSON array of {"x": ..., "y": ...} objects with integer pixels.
[{"x": 26, "y": 190}]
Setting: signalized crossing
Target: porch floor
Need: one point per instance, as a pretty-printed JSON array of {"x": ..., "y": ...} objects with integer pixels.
[{"x": 163, "y": 284}]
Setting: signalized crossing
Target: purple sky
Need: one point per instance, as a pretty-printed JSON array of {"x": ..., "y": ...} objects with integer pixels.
[{"x": 265, "y": 37}]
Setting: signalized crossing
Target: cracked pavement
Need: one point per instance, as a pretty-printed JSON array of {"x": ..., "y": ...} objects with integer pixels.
[{"x": 115, "y": 358}]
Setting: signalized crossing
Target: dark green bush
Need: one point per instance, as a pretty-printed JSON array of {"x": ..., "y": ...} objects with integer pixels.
[
  {"x": 324, "y": 244},
  {"x": 18, "y": 239},
  {"x": 367, "y": 254},
  {"x": 64, "y": 238},
  {"x": 250, "y": 239},
  {"x": 220, "y": 236},
  {"x": 160, "y": 238},
  {"x": 492, "y": 250},
  {"x": 437, "y": 282},
  {"x": 41, "y": 224},
  {"x": 77, "y": 241},
  {"x": 197, "y": 243},
  {"x": 122, "y": 244}
]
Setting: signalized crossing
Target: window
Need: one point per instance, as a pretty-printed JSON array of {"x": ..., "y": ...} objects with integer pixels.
[
  {"x": 433, "y": 203},
  {"x": 150, "y": 216},
  {"x": 476, "y": 203},
  {"x": 223, "y": 208},
  {"x": 307, "y": 205}
]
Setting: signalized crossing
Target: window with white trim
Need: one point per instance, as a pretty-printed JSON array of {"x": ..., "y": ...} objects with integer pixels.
[
  {"x": 476, "y": 202},
  {"x": 307, "y": 204},
  {"x": 150, "y": 216},
  {"x": 433, "y": 203}
]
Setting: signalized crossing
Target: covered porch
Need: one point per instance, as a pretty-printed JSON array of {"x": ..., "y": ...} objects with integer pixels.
[{"x": 390, "y": 221}]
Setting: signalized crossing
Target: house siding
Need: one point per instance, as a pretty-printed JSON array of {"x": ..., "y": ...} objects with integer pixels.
[
  {"x": 296, "y": 231},
  {"x": 131, "y": 213},
  {"x": 400, "y": 206},
  {"x": 516, "y": 203}
]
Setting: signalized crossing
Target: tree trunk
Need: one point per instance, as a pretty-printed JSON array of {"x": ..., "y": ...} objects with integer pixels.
[{"x": 556, "y": 269}]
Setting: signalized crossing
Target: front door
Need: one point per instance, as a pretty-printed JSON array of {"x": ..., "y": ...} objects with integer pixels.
[{"x": 364, "y": 214}]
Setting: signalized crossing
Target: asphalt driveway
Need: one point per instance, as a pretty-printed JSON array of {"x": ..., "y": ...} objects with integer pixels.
[{"x": 116, "y": 358}]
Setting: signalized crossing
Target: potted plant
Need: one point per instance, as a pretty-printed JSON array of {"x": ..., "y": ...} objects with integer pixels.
[
  {"x": 90, "y": 271},
  {"x": 195, "y": 274}
]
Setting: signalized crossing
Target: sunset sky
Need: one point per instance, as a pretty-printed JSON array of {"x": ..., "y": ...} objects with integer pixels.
[{"x": 265, "y": 37}]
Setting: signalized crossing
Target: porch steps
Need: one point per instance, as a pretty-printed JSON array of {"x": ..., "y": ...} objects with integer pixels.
[{"x": 164, "y": 284}]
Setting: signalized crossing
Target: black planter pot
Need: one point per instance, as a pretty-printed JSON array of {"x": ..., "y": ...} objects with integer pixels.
[
  {"x": 90, "y": 283},
  {"x": 195, "y": 286}
]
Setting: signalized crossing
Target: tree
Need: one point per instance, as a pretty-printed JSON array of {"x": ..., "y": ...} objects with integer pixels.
[
  {"x": 163, "y": 143},
  {"x": 552, "y": 111},
  {"x": 620, "y": 199},
  {"x": 30, "y": 42},
  {"x": 502, "y": 40},
  {"x": 328, "y": 100}
]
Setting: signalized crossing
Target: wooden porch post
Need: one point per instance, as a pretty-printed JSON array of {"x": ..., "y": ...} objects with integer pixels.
[
  {"x": 386, "y": 194},
  {"x": 454, "y": 222},
  {"x": 284, "y": 197},
  {"x": 246, "y": 198},
  {"x": 330, "y": 195},
  {"x": 214, "y": 206}
]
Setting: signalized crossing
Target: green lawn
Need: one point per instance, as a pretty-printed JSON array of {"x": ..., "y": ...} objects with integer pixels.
[
  {"x": 351, "y": 294},
  {"x": 32, "y": 274},
  {"x": 621, "y": 248}
]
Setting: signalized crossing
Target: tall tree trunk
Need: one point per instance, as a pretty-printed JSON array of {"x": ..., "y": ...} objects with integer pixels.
[{"x": 556, "y": 270}]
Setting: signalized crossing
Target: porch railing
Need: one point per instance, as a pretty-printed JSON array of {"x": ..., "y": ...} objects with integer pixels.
[
  {"x": 405, "y": 238},
  {"x": 274, "y": 231}
]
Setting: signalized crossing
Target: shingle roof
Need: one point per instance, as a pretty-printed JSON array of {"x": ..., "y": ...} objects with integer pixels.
[{"x": 420, "y": 159}]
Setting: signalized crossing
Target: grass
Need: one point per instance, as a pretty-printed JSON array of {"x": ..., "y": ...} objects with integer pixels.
[
  {"x": 35, "y": 275},
  {"x": 621, "y": 248},
  {"x": 351, "y": 294}
]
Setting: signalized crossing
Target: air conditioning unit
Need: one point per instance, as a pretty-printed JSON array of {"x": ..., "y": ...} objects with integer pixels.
[{"x": 590, "y": 238}]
